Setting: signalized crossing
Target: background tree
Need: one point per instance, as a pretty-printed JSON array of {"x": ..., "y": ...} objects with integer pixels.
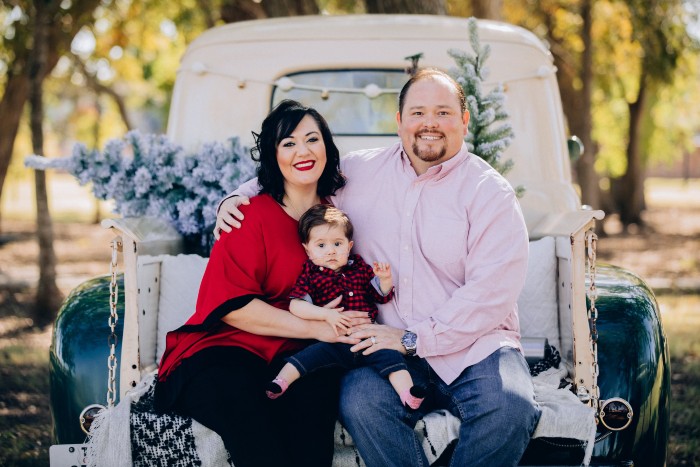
[
  {"x": 64, "y": 22},
  {"x": 602, "y": 49},
  {"x": 566, "y": 26},
  {"x": 661, "y": 38},
  {"x": 48, "y": 296},
  {"x": 623, "y": 68}
]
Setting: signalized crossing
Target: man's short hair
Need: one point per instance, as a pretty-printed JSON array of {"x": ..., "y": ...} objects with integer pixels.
[
  {"x": 323, "y": 214},
  {"x": 432, "y": 73}
]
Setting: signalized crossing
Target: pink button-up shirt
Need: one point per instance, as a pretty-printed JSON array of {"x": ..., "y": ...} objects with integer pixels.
[{"x": 457, "y": 244}]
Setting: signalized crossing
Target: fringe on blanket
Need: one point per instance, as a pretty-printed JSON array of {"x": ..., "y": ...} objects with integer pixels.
[
  {"x": 563, "y": 415},
  {"x": 109, "y": 442}
]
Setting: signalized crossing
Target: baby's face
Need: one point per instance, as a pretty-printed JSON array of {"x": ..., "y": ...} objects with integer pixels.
[{"x": 328, "y": 246}]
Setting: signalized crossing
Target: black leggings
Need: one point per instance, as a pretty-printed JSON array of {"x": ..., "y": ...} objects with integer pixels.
[{"x": 228, "y": 396}]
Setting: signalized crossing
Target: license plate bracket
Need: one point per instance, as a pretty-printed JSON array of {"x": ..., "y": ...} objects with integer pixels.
[{"x": 68, "y": 455}]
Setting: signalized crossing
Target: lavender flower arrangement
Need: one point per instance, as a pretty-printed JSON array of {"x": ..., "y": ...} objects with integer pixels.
[{"x": 149, "y": 175}]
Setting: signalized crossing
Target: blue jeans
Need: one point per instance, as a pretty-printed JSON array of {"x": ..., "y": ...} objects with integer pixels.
[
  {"x": 494, "y": 400},
  {"x": 326, "y": 355}
]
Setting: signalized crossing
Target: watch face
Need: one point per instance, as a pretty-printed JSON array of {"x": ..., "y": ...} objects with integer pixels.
[{"x": 409, "y": 340}]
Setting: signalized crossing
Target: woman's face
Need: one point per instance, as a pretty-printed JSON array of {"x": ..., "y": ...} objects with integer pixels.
[{"x": 302, "y": 155}]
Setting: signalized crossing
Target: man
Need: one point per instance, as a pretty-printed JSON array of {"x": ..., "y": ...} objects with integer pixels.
[{"x": 451, "y": 228}]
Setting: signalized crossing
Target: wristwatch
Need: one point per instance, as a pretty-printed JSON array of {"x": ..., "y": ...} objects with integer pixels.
[{"x": 409, "y": 342}]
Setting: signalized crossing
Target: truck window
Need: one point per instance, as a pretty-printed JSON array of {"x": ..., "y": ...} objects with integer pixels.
[{"x": 345, "y": 98}]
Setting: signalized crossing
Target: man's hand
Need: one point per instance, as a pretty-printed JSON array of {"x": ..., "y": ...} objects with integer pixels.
[
  {"x": 229, "y": 215},
  {"x": 375, "y": 337}
]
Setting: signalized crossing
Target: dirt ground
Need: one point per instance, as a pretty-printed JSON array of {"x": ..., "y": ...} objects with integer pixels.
[{"x": 666, "y": 253}]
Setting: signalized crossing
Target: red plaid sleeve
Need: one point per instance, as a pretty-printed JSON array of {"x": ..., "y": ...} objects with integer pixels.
[
  {"x": 303, "y": 286},
  {"x": 367, "y": 276}
]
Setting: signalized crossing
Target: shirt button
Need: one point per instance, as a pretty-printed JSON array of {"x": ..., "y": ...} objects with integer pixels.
[
  {"x": 405, "y": 247},
  {"x": 320, "y": 268},
  {"x": 405, "y": 280},
  {"x": 350, "y": 294}
]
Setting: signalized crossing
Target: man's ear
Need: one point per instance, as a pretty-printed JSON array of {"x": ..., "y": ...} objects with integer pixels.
[{"x": 465, "y": 119}]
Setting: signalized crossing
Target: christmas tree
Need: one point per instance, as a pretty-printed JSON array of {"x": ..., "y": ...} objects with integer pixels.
[{"x": 489, "y": 132}]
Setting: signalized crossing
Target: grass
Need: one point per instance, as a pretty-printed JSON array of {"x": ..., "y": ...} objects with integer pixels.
[
  {"x": 681, "y": 319},
  {"x": 25, "y": 422}
]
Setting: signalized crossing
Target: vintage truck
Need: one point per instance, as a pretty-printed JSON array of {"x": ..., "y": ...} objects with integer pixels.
[{"x": 603, "y": 320}]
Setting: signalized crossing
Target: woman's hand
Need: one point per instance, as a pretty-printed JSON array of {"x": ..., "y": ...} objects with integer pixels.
[
  {"x": 229, "y": 215},
  {"x": 375, "y": 337}
]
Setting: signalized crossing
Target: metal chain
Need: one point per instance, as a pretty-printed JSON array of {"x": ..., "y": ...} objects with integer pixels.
[
  {"x": 113, "y": 318},
  {"x": 592, "y": 293}
]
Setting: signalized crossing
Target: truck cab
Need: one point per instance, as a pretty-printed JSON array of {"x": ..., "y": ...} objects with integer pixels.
[{"x": 603, "y": 320}]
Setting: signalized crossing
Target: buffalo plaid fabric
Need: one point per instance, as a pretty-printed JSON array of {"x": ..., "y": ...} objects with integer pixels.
[{"x": 353, "y": 282}]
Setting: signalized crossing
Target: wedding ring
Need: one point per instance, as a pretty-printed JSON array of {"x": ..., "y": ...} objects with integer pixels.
[{"x": 373, "y": 339}]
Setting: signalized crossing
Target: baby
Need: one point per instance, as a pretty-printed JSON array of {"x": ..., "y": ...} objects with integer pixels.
[{"x": 326, "y": 234}]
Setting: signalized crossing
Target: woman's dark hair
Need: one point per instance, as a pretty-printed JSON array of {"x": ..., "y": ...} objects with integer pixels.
[{"x": 279, "y": 124}]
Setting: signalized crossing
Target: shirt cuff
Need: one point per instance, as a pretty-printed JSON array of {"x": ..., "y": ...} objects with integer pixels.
[
  {"x": 426, "y": 342},
  {"x": 375, "y": 283},
  {"x": 218, "y": 208},
  {"x": 306, "y": 298}
]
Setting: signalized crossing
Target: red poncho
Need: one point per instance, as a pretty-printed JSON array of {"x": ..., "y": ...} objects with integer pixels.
[{"x": 260, "y": 260}]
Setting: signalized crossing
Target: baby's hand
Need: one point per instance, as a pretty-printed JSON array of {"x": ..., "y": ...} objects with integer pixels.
[
  {"x": 382, "y": 270},
  {"x": 338, "y": 321}
]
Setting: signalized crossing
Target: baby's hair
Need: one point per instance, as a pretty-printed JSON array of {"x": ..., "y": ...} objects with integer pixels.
[{"x": 323, "y": 214}]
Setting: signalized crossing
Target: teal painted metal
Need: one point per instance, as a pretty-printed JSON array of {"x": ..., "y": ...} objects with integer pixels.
[
  {"x": 78, "y": 355},
  {"x": 634, "y": 365}
]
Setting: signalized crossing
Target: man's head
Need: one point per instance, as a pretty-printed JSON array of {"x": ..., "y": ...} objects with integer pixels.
[
  {"x": 432, "y": 118},
  {"x": 326, "y": 233}
]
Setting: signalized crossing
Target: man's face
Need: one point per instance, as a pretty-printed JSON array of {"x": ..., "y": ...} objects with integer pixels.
[
  {"x": 328, "y": 246},
  {"x": 432, "y": 127}
]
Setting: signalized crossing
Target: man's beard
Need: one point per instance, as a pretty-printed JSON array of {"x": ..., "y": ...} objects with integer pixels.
[{"x": 429, "y": 155}]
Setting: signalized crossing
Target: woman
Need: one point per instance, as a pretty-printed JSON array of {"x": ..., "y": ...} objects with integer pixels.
[{"x": 215, "y": 367}]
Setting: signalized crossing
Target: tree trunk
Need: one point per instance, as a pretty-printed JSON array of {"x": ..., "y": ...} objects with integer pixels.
[
  {"x": 585, "y": 167},
  {"x": 97, "y": 212},
  {"x": 428, "y": 7},
  {"x": 11, "y": 106},
  {"x": 277, "y": 8},
  {"x": 488, "y": 9},
  {"x": 48, "y": 296},
  {"x": 629, "y": 192},
  {"x": 241, "y": 10}
]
